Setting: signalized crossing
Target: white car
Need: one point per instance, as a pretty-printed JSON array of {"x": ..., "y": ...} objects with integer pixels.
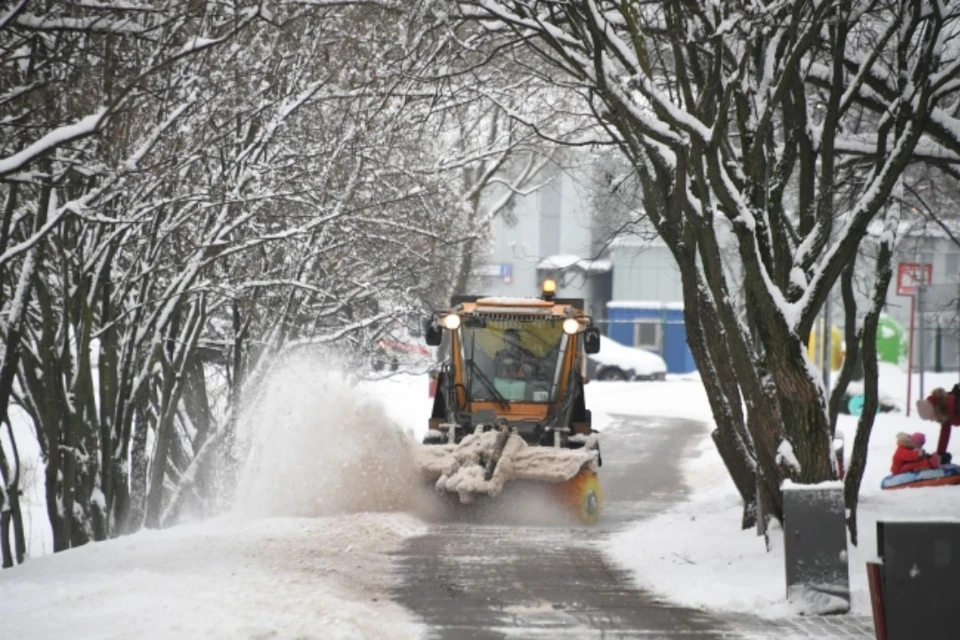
[{"x": 618, "y": 362}]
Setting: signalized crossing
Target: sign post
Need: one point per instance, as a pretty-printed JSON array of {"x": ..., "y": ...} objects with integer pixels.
[{"x": 910, "y": 275}]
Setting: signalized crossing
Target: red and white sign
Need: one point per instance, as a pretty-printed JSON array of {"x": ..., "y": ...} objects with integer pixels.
[{"x": 910, "y": 275}]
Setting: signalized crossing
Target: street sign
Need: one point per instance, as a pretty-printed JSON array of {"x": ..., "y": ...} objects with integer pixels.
[
  {"x": 912, "y": 274},
  {"x": 503, "y": 271}
]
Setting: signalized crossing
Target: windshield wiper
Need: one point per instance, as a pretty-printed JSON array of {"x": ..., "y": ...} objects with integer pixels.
[
  {"x": 501, "y": 400},
  {"x": 492, "y": 388}
]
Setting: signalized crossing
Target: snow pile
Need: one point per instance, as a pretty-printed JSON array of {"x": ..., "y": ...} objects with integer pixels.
[
  {"x": 462, "y": 467},
  {"x": 688, "y": 553},
  {"x": 818, "y": 599},
  {"x": 224, "y": 578},
  {"x": 318, "y": 445}
]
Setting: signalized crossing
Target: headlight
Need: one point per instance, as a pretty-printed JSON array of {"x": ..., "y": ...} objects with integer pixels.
[
  {"x": 451, "y": 321},
  {"x": 571, "y": 326}
]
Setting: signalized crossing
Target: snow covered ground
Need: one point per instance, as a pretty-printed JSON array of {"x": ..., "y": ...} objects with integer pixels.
[
  {"x": 305, "y": 552},
  {"x": 689, "y": 552},
  {"x": 225, "y": 578}
]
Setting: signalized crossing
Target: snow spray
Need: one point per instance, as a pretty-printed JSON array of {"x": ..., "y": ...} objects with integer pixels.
[{"x": 318, "y": 447}]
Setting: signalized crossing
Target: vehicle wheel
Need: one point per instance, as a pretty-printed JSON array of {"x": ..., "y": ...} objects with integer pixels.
[
  {"x": 377, "y": 365},
  {"x": 610, "y": 374}
]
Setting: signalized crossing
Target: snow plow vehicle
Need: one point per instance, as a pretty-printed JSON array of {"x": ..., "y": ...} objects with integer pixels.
[{"x": 509, "y": 404}]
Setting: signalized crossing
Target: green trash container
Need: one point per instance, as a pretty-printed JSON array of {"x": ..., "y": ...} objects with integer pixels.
[{"x": 891, "y": 341}]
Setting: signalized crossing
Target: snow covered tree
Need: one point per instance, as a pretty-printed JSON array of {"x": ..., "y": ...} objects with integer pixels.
[
  {"x": 741, "y": 122},
  {"x": 78, "y": 81},
  {"x": 248, "y": 178}
]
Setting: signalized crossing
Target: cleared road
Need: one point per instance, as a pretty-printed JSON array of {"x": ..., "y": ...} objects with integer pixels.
[{"x": 512, "y": 570}]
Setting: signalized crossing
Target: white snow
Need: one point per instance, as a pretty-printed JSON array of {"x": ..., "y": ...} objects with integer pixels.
[
  {"x": 324, "y": 502},
  {"x": 785, "y": 455},
  {"x": 564, "y": 261},
  {"x": 688, "y": 553},
  {"x": 50, "y": 140},
  {"x": 226, "y": 578},
  {"x": 305, "y": 553},
  {"x": 511, "y": 301},
  {"x": 460, "y": 471}
]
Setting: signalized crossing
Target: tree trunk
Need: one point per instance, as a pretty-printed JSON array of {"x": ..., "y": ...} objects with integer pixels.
[
  {"x": 6, "y": 504},
  {"x": 12, "y": 517},
  {"x": 139, "y": 460},
  {"x": 746, "y": 483},
  {"x": 158, "y": 467},
  {"x": 107, "y": 364},
  {"x": 858, "y": 457},
  {"x": 705, "y": 338},
  {"x": 852, "y": 336}
]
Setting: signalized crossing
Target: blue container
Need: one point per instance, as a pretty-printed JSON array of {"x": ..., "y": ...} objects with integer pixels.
[{"x": 671, "y": 343}]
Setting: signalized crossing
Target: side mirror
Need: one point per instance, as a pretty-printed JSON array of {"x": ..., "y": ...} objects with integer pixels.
[
  {"x": 432, "y": 333},
  {"x": 591, "y": 340}
]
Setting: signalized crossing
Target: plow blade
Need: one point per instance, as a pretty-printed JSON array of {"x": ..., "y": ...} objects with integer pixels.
[{"x": 484, "y": 462}]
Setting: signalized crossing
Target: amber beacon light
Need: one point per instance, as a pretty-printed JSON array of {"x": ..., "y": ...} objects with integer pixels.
[{"x": 549, "y": 288}]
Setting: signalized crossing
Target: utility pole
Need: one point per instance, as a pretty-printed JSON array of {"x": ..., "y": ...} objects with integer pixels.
[{"x": 921, "y": 307}]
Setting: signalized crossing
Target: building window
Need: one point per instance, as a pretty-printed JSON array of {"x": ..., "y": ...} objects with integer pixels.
[{"x": 647, "y": 335}]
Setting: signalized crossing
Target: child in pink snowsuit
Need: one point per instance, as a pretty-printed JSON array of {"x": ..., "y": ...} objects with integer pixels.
[{"x": 910, "y": 455}]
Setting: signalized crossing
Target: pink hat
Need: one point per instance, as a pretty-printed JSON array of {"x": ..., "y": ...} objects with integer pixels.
[{"x": 918, "y": 439}]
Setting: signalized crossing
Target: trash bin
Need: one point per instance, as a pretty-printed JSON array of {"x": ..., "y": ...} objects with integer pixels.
[
  {"x": 920, "y": 577},
  {"x": 815, "y": 548}
]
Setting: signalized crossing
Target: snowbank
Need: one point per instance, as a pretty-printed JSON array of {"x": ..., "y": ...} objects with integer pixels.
[
  {"x": 304, "y": 552},
  {"x": 225, "y": 578},
  {"x": 689, "y": 553}
]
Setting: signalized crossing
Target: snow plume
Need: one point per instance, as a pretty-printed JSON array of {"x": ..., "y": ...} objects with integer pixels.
[{"x": 318, "y": 446}]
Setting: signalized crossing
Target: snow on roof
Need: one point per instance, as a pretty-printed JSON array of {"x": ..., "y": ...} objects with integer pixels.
[
  {"x": 564, "y": 261},
  {"x": 645, "y": 304},
  {"x": 508, "y": 301}
]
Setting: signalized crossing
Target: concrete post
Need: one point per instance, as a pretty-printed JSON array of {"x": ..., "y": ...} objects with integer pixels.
[{"x": 815, "y": 548}]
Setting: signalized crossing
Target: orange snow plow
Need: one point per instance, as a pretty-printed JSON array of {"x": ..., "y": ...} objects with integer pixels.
[{"x": 510, "y": 402}]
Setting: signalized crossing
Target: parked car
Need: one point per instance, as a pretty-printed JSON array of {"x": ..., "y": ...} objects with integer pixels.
[{"x": 618, "y": 362}]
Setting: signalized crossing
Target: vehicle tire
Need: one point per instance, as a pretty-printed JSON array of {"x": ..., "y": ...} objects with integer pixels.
[{"x": 611, "y": 374}]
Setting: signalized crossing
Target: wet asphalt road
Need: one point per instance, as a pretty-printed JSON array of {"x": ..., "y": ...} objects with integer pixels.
[{"x": 512, "y": 571}]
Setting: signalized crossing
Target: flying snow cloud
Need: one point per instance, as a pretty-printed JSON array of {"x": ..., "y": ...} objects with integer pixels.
[{"x": 318, "y": 446}]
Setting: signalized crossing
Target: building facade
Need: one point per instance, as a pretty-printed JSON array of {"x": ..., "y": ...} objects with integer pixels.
[{"x": 552, "y": 234}]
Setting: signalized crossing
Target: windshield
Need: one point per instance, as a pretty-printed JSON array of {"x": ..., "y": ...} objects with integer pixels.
[{"x": 511, "y": 360}]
